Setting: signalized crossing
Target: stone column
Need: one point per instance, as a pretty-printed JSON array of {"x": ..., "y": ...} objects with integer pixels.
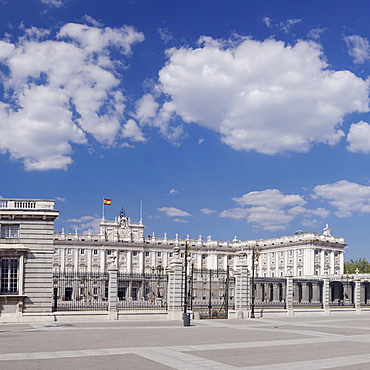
[
  {"x": 289, "y": 295},
  {"x": 275, "y": 292},
  {"x": 175, "y": 284},
  {"x": 112, "y": 291},
  {"x": 316, "y": 292},
  {"x": 326, "y": 295},
  {"x": 305, "y": 292},
  {"x": 243, "y": 286}
]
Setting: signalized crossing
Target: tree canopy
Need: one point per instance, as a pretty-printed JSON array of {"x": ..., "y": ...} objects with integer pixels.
[{"x": 362, "y": 264}]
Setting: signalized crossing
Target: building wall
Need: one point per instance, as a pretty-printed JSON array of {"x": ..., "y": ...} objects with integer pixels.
[{"x": 34, "y": 248}]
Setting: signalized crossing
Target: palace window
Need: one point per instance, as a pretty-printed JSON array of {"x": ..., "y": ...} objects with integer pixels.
[
  {"x": 134, "y": 253},
  {"x": 159, "y": 254},
  {"x": 95, "y": 252},
  {"x": 82, "y": 251},
  {"x": 69, "y": 251},
  {"x": 147, "y": 254},
  {"x": 9, "y": 275},
  {"x": 109, "y": 252},
  {"x": 9, "y": 231}
]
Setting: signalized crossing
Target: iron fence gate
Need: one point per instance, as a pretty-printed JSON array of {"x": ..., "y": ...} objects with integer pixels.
[
  {"x": 142, "y": 291},
  {"x": 78, "y": 291},
  {"x": 211, "y": 293}
]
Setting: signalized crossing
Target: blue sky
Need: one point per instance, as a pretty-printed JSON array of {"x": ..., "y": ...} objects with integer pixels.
[{"x": 225, "y": 118}]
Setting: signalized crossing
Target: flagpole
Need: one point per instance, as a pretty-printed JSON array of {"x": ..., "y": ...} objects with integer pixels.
[{"x": 103, "y": 211}]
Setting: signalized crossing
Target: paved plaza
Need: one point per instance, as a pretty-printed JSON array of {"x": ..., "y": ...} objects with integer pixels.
[{"x": 321, "y": 342}]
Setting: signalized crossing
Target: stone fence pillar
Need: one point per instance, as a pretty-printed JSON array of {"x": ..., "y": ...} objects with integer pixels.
[
  {"x": 112, "y": 293},
  {"x": 326, "y": 295},
  {"x": 242, "y": 289},
  {"x": 289, "y": 295},
  {"x": 357, "y": 297},
  {"x": 175, "y": 286}
]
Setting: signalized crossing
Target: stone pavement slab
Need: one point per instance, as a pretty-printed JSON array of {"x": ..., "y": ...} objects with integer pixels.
[{"x": 321, "y": 342}]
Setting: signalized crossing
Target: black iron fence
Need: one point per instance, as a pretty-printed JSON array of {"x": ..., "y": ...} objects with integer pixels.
[
  {"x": 211, "y": 293},
  {"x": 142, "y": 291},
  {"x": 77, "y": 291}
]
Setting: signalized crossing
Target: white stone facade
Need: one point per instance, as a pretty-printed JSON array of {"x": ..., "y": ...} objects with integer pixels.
[{"x": 303, "y": 254}]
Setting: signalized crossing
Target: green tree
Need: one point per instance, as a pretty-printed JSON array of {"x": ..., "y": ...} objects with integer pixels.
[{"x": 362, "y": 264}]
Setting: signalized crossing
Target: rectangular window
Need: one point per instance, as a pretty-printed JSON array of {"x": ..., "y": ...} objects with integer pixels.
[
  {"x": 109, "y": 252},
  {"x": 56, "y": 251},
  {"x": 95, "y": 252},
  {"x": 147, "y": 254},
  {"x": 159, "y": 254},
  {"x": 171, "y": 254},
  {"x": 9, "y": 276},
  {"x": 69, "y": 251},
  {"x": 134, "y": 253},
  {"x": 9, "y": 231},
  {"x": 82, "y": 251}
]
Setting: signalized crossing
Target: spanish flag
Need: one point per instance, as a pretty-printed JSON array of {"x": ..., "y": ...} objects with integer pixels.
[{"x": 107, "y": 202}]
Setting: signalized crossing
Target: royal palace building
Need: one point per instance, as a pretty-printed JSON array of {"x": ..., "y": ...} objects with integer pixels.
[
  {"x": 302, "y": 254},
  {"x": 121, "y": 270}
]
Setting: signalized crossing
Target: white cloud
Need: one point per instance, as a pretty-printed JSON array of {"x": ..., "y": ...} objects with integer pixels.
[
  {"x": 271, "y": 210},
  {"x": 58, "y": 90},
  {"x": 165, "y": 34},
  {"x": 60, "y": 199},
  {"x": 358, "y": 48},
  {"x": 174, "y": 212},
  {"x": 132, "y": 131},
  {"x": 172, "y": 192},
  {"x": 315, "y": 33},
  {"x": 288, "y": 24},
  {"x": 359, "y": 137},
  {"x": 146, "y": 109},
  {"x": 271, "y": 197},
  {"x": 56, "y": 3},
  {"x": 267, "y": 21},
  {"x": 265, "y": 96},
  {"x": 85, "y": 223},
  {"x": 208, "y": 211},
  {"x": 347, "y": 197},
  {"x": 180, "y": 220},
  {"x": 284, "y": 26}
]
